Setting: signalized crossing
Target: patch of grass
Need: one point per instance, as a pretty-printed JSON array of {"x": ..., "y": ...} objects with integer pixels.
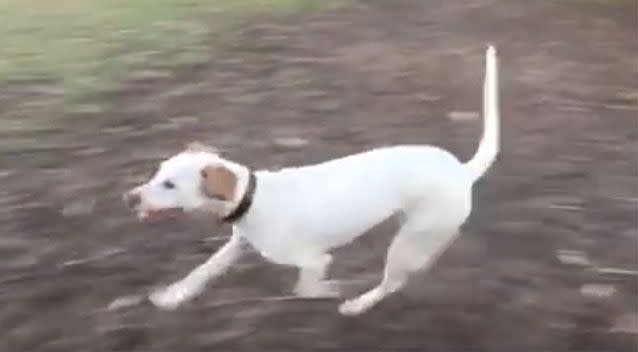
[{"x": 84, "y": 42}]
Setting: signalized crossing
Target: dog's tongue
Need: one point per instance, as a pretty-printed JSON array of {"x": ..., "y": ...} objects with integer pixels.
[{"x": 160, "y": 214}]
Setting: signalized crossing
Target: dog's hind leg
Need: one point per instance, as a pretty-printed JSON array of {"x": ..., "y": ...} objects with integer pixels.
[
  {"x": 417, "y": 245},
  {"x": 312, "y": 272}
]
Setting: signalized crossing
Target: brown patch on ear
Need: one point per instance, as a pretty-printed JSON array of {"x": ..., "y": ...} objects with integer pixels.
[{"x": 218, "y": 182}]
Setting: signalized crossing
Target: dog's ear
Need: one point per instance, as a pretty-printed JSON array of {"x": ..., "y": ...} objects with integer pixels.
[{"x": 218, "y": 182}]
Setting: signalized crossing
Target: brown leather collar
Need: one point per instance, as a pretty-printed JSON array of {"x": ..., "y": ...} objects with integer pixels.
[{"x": 245, "y": 202}]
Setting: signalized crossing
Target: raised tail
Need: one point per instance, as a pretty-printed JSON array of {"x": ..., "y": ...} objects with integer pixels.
[{"x": 489, "y": 145}]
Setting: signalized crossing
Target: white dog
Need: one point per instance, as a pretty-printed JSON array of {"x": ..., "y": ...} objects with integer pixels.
[{"x": 295, "y": 216}]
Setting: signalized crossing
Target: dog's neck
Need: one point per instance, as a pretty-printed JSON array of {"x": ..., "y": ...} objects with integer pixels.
[
  {"x": 245, "y": 202},
  {"x": 243, "y": 175}
]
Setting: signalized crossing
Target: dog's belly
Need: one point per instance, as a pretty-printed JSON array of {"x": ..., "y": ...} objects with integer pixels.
[
  {"x": 318, "y": 226},
  {"x": 340, "y": 224},
  {"x": 335, "y": 226}
]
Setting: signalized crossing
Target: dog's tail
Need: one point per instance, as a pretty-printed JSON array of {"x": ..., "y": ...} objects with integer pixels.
[{"x": 489, "y": 145}]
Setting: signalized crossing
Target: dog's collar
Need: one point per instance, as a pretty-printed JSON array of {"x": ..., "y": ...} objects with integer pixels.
[{"x": 245, "y": 202}]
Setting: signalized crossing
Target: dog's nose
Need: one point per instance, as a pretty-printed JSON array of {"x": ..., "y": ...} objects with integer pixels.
[{"x": 132, "y": 199}]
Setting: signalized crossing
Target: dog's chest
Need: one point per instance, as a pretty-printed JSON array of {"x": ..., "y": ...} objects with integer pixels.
[{"x": 275, "y": 246}]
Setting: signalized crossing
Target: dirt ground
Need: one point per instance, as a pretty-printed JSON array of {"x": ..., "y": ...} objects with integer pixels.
[{"x": 302, "y": 89}]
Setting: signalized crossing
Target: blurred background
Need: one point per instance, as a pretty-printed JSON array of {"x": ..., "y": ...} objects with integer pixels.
[{"x": 93, "y": 93}]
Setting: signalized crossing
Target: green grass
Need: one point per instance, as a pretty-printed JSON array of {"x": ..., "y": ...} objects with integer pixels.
[{"x": 82, "y": 43}]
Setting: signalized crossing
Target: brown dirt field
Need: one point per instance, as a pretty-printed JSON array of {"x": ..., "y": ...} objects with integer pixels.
[{"x": 370, "y": 74}]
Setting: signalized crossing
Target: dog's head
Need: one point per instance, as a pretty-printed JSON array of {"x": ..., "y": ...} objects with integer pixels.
[{"x": 194, "y": 179}]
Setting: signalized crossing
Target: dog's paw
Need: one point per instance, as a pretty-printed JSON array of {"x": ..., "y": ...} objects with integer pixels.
[
  {"x": 353, "y": 307},
  {"x": 321, "y": 289},
  {"x": 125, "y": 302},
  {"x": 169, "y": 298}
]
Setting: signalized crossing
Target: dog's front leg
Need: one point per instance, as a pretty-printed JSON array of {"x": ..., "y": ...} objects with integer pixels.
[
  {"x": 311, "y": 282},
  {"x": 193, "y": 284}
]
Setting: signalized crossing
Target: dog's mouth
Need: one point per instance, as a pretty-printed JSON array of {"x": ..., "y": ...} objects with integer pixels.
[{"x": 156, "y": 215}]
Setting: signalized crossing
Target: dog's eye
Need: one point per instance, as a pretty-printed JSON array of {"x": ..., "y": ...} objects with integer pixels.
[{"x": 169, "y": 185}]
